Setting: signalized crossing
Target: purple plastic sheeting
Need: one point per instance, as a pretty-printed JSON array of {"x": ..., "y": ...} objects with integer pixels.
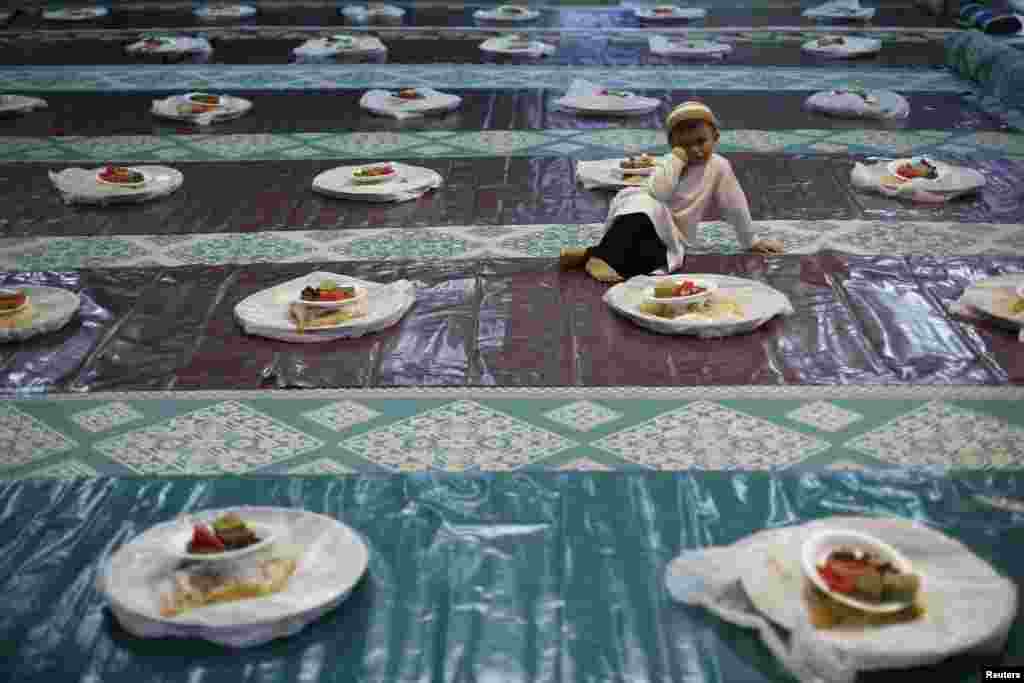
[{"x": 865, "y": 320}]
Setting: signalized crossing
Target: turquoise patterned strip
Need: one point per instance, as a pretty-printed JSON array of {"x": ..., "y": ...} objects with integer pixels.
[
  {"x": 464, "y": 76},
  {"x": 593, "y": 143},
  {"x": 474, "y": 242},
  {"x": 344, "y": 432}
]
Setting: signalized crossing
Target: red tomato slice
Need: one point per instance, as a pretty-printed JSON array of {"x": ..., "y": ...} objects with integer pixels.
[
  {"x": 836, "y": 582},
  {"x": 204, "y": 537}
]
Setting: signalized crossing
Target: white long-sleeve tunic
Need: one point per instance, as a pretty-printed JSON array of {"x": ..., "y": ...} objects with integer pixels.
[{"x": 678, "y": 196}]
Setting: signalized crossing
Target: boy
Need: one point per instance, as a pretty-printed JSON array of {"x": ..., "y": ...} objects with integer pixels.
[{"x": 648, "y": 227}]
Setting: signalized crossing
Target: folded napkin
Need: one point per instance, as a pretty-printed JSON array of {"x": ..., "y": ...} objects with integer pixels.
[
  {"x": 840, "y": 9},
  {"x": 886, "y": 105},
  {"x": 383, "y": 103},
  {"x": 361, "y": 14},
  {"x": 79, "y": 186},
  {"x": 971, "y": 303},
  {"x": 854, "y": 46},
  {"x": 757, "y": 583},
  {"x": 321, "y": 47},
  {"x": 265, "y": 315},
  {"x": 584, "y": 95},
  {"x": 500, "y": 45},
  {"x": 20, "y": 103},
  {"x": 172, "y": 45},
  {"x": 663, "y": 45},
  {"x": 956, "y": 181},
  {"x": 603, "y": 173}
]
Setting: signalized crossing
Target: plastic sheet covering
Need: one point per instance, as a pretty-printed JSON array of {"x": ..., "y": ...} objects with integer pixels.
[
  {"x": 867, "y": 320},
  {"x": 547, "y": 577}
]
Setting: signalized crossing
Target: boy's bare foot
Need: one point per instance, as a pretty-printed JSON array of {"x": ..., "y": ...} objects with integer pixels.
[
  {"x": 573, "y": 258},
  {"x": 601, "y": 271}
]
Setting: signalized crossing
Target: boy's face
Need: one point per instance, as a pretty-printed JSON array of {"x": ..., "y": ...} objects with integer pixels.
[{"x": 698, "y": 140}]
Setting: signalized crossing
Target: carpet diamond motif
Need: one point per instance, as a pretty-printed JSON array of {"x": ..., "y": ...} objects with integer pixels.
[
  {"x": 707, "y": 435},
  {"x": 459, "y": 436},
  {"x": 228, "y": 437},
  {"x": 25, "y": 439}
]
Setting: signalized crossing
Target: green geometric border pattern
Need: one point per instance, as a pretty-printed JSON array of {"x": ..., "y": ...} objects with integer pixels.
[
  {"x": 118, "y": 78},
  {"x": 594, "y": 143},
  {"x": 119, "y": 435},
  {"x": 30, "y": 254}
]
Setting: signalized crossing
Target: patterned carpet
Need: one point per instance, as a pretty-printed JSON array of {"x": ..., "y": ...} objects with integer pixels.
[{"x": 496, "y": 429}]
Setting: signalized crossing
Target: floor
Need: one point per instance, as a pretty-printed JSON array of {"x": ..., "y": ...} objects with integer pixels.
[{"x": 508, "y": 157}]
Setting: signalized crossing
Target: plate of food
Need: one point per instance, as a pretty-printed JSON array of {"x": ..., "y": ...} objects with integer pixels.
[
  {"x": 374, "y": 173},
  {"x": 30, "y": 310},
  {"x": 733, "y": 306},
  {"x": 642, "y": 165},
  {"x": 228, "y": 537},
  {"x": 409, "y": 95},
  {"x": 516, "y": 42},
  {"x": 511, "y": 10},
  {"x": 860, "y": 571},
  {"x": 75, "y": 13},
  {"x": 224, "y": 11},
  {"x": 280, "y": 313},
  {"x": 679, "y": 291},
  {"x": 312, "y": 565},
  {"x": 843, "y": 46}
]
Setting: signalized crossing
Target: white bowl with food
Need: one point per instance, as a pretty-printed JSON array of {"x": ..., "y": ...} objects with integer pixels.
[
  {"x": 197, "y": 541},
  {"x": 679, "y": 291},
  {"x": 12, "y": 301},
  {"x": 641, "y": 165},
  {"x": 860, "y": 571},
  {"x": 374, "y": 173},
  {"x": 121, "y": 176},
  {"x": 516, "y": 42},
  {"x": 914, "y": 168},
  {"x": 333, "y": 295}
]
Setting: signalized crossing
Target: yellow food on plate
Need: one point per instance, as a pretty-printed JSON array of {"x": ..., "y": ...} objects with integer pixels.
[
  {"x": 826, "y": 613},
  {"x": 194, "y": 589},
  {"x": 717, "y": 308},
  {"x": 309, "y": 317},
  {"x": 20, "y": 318}
]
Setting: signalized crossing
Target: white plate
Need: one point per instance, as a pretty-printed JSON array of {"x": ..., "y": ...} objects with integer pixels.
[
  {"x": 994, "y": 297},
  {"x": 337, "y": 182},
  {"x": 759, "y": 303},
  {"x": 709, "y": 285},
  {"x": 375, "y": 180},
  {"x": 178, "y": 541},
  {"x": 146, "y": 179},
  {"x": 941, "y": 169},
  {"x": 818, "y": 547},
  {"x": 52, "y": 309},
  {"x": 361, "y": 293},
  {"x": 19, "y": 103},
  {"x": 333, "y": 560}
]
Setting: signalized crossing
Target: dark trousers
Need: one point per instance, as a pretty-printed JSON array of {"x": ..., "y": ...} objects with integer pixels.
[{"x": 631, "y": 246}]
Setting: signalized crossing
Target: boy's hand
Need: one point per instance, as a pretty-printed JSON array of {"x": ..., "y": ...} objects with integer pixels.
[
  {"x": 680, "y": 153},
  {"x": 767, "y": 247}
]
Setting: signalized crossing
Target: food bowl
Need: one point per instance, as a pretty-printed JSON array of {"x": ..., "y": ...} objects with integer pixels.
[
  {"x": 359, "y": 178},
  {"x": 177, "y": 545},
  {"x": 14, "y": 294},
  {"x": 707, "y": 289},
  {"x": 818, "y": 547},
  {"x": 354, "y": 304},
  {"x": 128, "y": 185},
  {"x": 940, "y": 169}
]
